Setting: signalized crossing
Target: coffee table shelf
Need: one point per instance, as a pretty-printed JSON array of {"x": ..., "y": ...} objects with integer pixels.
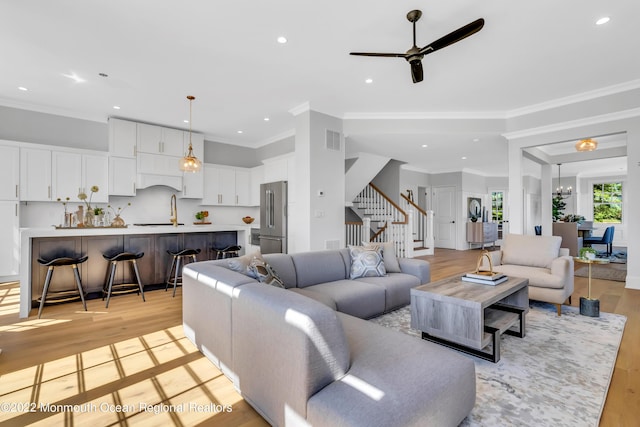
[{"x": 470, "y": 316}]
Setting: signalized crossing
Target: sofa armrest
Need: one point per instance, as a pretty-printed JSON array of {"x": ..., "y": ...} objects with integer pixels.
[
  {"x": 564, "y": 251},
  {"x": 496, "y": 259},
  {"x": 417, "y": 267},
  {"x": 563, "y": 267}
]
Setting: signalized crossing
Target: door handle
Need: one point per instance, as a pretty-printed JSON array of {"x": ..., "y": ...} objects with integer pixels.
[{"x": 453, "y": 222}]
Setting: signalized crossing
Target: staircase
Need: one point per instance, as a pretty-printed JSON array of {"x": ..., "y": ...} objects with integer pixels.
[
  {"x": 421, "y": 227},
  {"x": 383, "y": 220}
]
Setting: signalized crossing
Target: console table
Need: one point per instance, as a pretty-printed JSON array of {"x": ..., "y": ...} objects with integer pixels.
[{"x": 482, "y": 233}]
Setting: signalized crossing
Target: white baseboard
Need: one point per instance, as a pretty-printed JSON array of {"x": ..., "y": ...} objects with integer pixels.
[{"x": 632, "y": 282}]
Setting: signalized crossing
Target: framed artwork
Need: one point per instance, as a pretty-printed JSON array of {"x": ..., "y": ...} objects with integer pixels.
[{"x": 474, "y": 207}]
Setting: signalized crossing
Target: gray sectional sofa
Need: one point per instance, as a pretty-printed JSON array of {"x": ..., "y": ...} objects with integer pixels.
[{"x": 304, "y": 355}]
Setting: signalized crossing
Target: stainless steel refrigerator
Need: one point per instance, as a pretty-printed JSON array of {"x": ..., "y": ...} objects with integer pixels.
[{"x": 273, "y": 217}]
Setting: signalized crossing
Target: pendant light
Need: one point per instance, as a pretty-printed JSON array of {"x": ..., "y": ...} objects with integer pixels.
[
  {"x": 587, "y": 144},
  {"x": 190, "y": 163},
  {"x": 560, "y": 191}
]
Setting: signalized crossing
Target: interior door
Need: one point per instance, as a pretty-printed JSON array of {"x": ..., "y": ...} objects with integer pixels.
[
  {"x": 444, "y": 208},
  {"x": 500, "y": 213}
]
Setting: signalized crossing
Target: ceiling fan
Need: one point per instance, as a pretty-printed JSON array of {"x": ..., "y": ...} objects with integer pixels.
[{"x": 415, "y": 54}]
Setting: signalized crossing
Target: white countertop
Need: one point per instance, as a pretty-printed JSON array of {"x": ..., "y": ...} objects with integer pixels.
[
  {"x": 131, "y": 229},
  {"x": 27, "y": 234}
]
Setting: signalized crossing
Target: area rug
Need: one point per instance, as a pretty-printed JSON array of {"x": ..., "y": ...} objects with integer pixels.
[
  {"x": 557, "y": 375},
  {"x": 615, "y": 272}
]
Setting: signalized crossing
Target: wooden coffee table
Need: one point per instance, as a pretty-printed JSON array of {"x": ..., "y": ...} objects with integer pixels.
[{"x": 468, "y": 316}]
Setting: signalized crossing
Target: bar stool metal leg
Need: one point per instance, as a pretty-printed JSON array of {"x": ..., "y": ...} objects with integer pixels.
[
  {"x": 79, "y": 283},
  {"x": 170, "y": 273},
  {"x": 135, "y": 269},
  {"x": 175, "y": 280},
  {"x": 112, "y": 275},
  {"x": 47, "y": 281}
]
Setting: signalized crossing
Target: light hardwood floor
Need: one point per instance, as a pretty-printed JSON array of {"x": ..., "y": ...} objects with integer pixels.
[{"x": 135, "y": 354}]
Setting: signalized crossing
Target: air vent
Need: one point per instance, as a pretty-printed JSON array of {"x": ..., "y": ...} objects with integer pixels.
[{"x": 333, "y": 140}]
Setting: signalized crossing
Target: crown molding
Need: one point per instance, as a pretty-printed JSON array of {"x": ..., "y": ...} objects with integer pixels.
[
  {"x": 573, "y": 99},
  {"x": 275, "y": 138},
  {"x": 302, "y": 108},
  {"x": 480, "y": 115},
  {"x": 556, "y": 127}
]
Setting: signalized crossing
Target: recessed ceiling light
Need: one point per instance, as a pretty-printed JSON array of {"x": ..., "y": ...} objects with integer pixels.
[
  {"x": 424, "y": 145},
  {"x": 239, "y": 131},
  {"x": 116, "y": 107},
  {"x": 22, "y": 88},
  {"x": 282, "y": 39},
  {"x": 603, "y": 20},
  {"x": 186, "y": 121},
  {"x": 463, "y": 158},
  {"x": 369, "y": 81},
  {"x": 266, "y": 119},
  {"x": 476, "y": 139}
]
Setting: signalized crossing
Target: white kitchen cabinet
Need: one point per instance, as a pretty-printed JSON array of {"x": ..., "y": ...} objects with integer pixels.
[
  {"x": 193, "y": 182},
  {"x": 66, "y": 175},
  {"x": 10, "y": 237},
  {"x": 74, "y": 173},
  {"x": 35, "y": 174},
  {"x": 122, "y": 138},
  {"x": 243, "y": 187},
  {"x": 257, "y": 178},
  {"x": 9, "y": 172},
  {"x": 95, "y": 171},
  {"x": 122, "y": 176},
  {"x": 159, "y": 140},
  {"x": 282, "y": 168},
  {"x": 225, "y": 186}
]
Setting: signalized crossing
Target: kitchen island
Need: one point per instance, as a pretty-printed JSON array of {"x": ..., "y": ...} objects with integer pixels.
[{"x": 154, "y": 241}]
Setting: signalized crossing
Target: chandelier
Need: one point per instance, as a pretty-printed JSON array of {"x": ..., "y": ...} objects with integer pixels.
[
  {"x": 586, "y": 144},
  {"x": 560, "y": 191},
  {"x": 190, "y": 163}
]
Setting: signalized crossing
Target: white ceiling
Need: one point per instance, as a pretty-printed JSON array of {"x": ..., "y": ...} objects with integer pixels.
[{"x": 156, "y": 52}]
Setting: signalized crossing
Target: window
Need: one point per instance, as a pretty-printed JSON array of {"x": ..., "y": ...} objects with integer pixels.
[{"x": 607, "y": 202}]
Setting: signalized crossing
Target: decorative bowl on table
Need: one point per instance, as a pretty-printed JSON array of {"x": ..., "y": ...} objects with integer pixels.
[{"x": 248, "y": 219}]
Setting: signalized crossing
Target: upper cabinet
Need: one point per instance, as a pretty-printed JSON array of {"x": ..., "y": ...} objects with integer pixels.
[
  {"x": 9, "y": 172},
  {"x": 74, "y": 173},
  {"x": 122, "y": 176},
  {"x": 122, "y": 138},
  {"x": 160, "y": 140},
  {"x": 226, "y": 186},
  {"x": 35, "y": 174}
]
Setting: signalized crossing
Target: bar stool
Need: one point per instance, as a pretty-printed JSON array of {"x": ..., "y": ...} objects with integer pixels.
[
  {"x": 122, "y": 288},
  {"x": 175, "y": 272},
  {"x": 228, "y": 252},
  {"x": 61, "y": 296}
]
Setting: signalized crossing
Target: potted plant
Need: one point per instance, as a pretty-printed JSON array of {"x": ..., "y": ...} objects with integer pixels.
[
  {"x": 202, "y": 216},
  {"x": 588, "y": 253}
]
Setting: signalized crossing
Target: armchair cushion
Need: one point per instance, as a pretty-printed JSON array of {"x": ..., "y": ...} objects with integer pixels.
[{"x": 537, "y": 252}]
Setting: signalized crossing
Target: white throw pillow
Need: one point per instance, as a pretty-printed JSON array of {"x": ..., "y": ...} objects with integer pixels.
[
  {"x": 391, "y": 263},
  {"x": 366, "y": 262}
]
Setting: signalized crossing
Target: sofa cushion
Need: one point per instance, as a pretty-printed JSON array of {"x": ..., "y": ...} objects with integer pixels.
[
  {"x": 265, "y": 273},
  {"x": 286, "y": 348},
  {"x": 354, "y": 297},
  {"x": 318, "y": 296},
  {"x": 366, "y": 262},
  {"x": 395, "y": 380},
  {"x": 397, "y": 288},
  {"x": 283, "y": 266},
  {"x": 391, "y": 264},
  {"x": 535, "y": 252},
  {"x": 318, "y": 267},
  {"x": 538, "y": 277}
]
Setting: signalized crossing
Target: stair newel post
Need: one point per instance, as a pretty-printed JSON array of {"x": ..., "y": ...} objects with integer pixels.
[
  {"x": 408, "y": 235},
  {"x": 430, "y": 238},
  {"x": 365, "y": 233}
]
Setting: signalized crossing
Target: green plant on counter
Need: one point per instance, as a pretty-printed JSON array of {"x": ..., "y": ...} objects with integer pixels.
[
  {"x": 201, "y": 215},
  {"x": 584, "y": 251}
]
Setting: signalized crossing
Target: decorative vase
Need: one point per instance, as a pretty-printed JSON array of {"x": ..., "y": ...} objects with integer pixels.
[
  {"x": 88, "y": 218},
  {"x": 118, "y": 221}
]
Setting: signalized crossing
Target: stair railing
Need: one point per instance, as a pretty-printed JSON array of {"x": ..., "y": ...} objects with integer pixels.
[{"x": 422, "y": 226}]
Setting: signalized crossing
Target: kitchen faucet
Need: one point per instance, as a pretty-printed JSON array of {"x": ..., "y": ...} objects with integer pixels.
[{"x": 174, "y": 211}]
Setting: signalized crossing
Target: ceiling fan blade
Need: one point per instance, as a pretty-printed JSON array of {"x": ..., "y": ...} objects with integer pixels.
[
  {"x": 389, "y": 55},
  {"x": 453, "y": 37},
  {"x": 416, "y": 71}
]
